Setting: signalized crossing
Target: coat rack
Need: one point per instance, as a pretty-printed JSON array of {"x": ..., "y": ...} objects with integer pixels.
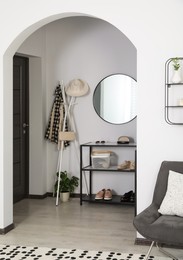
[{"x": 68, "y": 136}]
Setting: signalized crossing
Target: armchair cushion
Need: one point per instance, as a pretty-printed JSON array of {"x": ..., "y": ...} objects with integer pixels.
[{"x": 172, "y": 203}]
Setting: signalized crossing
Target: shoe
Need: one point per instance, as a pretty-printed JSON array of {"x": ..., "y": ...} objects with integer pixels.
[
  {"x": 132, "y": 197},
  {"x": 108, "y": 195},
  {"x": 100, "y": 195},
  {"x": 132, "y": 165},
  {"x": 127, "y": 196},
  {"x": 124, "y": 166}
]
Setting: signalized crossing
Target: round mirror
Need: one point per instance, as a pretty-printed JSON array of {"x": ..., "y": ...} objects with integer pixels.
[{"x": 114, "y": 99}]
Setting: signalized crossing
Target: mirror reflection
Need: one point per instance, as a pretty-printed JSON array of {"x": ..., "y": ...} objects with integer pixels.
[{"x": 114, "y": 99}]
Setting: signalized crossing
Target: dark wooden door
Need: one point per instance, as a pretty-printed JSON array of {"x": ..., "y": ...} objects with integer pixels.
[{"x": 20, "y": 128}]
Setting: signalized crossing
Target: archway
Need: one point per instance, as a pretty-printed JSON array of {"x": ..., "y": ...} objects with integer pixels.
[{"x": 8, "y": 108}]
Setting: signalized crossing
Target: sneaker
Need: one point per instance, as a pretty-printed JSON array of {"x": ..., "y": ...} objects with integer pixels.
[
  {"x": 108, "y": 195},
  {"x": 125, "y": 165},
  {"x": 100, "y": 195},
  {"x": 132, "y": 165}
]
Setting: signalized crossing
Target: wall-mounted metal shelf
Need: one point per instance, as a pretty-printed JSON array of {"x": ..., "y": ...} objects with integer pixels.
[{"x": 173, "y": 96}]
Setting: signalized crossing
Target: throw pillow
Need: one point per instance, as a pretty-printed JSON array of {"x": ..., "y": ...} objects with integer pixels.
[{"x": 172, "y": 203}]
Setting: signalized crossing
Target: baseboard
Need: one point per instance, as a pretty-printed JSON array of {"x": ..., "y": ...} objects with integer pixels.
[
  {"x": 5, "y": 230},
  {"x": 146, "y": 242},
  {"x": 50, "y": 194},
  {"x": 30, "y": 196},
  {"x": 142, "y": 242},
  {"x": 75, "y": 195}
]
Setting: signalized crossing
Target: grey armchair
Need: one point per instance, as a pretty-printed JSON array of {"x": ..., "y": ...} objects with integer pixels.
[{"x": 161, "y": 229}]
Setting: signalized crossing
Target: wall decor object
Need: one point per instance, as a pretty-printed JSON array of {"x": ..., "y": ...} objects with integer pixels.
[
  {"x": 174, "y": 91},
  {"x": 114, "y": 99}
]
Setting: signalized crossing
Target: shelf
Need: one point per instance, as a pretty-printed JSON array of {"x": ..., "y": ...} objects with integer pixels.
[
  {"x": 110, "y": 169},
  {"x": 109, "y": 144},
  {"x": 174, "y": 84},
  {"x": 174, "y": 106},
  {"x": 173, "y": 95},
  {"x": 91, "y": 171},
  {"x": 116, "y": 199}
]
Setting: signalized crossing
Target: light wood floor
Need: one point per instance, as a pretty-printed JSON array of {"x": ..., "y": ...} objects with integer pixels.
[{"x": 69, "y": 225}]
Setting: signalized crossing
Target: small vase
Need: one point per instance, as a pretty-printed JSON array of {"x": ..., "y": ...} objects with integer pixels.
[
  {"x": 176, "y": 78},
  {"x": 64, "y": 196}
]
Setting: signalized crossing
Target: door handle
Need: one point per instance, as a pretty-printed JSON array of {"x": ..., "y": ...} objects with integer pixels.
[{"x": 25, "y": 125}]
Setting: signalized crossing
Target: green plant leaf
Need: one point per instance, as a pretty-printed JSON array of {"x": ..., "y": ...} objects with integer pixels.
[
  {"x": 176, "y": 63},
  {"x": 66, "y": 183}
]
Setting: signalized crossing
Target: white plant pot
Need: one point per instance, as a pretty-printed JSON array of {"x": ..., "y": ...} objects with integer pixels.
[
  {"x": 64, "y": 196},
  {"x": 176, "y": 78}
]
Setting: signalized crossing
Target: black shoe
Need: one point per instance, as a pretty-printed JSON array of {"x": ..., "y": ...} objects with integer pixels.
[
  {"x": 126, "y": 197},
  {"x": 132, "y": 198}
]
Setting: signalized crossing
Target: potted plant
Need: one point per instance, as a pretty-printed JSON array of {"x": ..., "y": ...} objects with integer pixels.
[
  {"x": 176, "y": 63},
  {"x": 176, "y": 78},
  {"x": 67, "y": 185}
]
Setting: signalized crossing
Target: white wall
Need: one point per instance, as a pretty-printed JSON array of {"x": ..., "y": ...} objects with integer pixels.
[
  {"x": 153, "y": 26},
  {"x": 87, "y": 48},
  {"x": 37, "y": 154},
  {"x": 90, "y": 49}
]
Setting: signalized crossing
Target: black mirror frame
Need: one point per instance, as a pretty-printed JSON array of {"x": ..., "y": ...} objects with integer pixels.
[{"x": 94, "y": 96}]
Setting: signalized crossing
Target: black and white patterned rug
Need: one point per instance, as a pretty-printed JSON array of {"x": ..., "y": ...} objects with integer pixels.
[{"x": 9, "y": 252}]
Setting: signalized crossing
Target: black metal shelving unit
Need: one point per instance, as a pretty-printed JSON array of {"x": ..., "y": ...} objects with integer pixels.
[
  {"x": 116, "y": 199},
  {"x": 172, "y": 110}
]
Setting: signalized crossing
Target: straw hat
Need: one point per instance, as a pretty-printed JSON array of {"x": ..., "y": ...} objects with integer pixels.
[
  {"x": 77, "y": 88},
  {"x": 123, "y": 140}
]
